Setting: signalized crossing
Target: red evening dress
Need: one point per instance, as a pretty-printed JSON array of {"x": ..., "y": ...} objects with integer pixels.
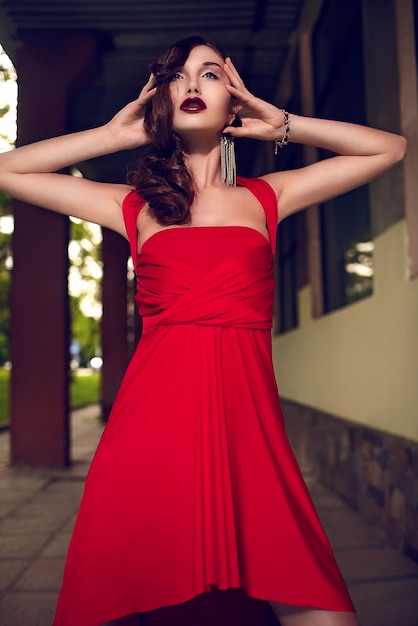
[{"x": 194, "y": 485}]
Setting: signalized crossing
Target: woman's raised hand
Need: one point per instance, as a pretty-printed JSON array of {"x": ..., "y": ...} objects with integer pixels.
[
  {"x": 127, "y": 126},
  {"x": 124, "y": 131},
  {"x": 29, "y": 172},
  {"x": 264, "y": 121}
]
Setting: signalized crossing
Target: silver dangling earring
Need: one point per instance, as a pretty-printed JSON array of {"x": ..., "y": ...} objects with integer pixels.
[{"x": 228, "y": 162}]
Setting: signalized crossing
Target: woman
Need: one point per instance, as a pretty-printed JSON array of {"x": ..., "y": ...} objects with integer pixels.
[{"x": 194, "y": 486}]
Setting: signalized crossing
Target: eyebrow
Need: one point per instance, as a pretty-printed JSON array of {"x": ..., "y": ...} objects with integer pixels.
[{"x": 208, "y": 63}]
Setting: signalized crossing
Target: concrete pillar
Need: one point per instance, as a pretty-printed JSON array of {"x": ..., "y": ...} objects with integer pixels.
[
  {"x": 49, "y": 65},
  {"x": 408, "y": 94},
  {"x": 311, "y": 12},
  {"x": 383, "y": 105}
]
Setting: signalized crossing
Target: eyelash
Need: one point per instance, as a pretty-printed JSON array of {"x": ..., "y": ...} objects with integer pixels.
[
  {"x": 210, "y": 75},
  {"x": 213, "y": 76}
]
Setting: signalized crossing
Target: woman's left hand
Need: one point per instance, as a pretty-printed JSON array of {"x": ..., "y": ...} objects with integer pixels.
[{"x": 265, "y": 121}]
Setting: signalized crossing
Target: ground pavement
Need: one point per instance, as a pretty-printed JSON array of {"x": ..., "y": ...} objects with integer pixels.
[{"x": 37, "y": 512}]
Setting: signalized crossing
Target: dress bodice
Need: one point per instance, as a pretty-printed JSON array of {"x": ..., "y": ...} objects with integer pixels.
[
  {"x": 209, "y": 275},
  {"x": 212, "y": 276}
]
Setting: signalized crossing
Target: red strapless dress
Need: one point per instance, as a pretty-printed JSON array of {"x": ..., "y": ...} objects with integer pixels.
[{"x": 194, "y": 486}]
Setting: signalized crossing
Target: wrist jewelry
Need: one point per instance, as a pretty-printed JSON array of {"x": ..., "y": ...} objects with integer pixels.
[{"x": 281, "y": 143}]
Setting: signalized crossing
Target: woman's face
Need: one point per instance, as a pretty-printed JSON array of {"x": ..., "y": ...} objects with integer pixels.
[{"x": 198, "y": 93}]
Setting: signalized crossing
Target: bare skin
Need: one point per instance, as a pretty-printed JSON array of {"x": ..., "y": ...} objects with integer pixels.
[
  {"x": 300, "y": 616},
  {"x": 362, "y": 154},
  {"x": 288, "y": 616},
  {"x": 365, "y": 153}
]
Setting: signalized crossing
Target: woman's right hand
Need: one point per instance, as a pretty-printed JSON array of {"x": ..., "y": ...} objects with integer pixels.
[
  {"x": 127, "y": 126},
  {"x": 123, "y": 132},
  {"x": 29, "y": 173}
]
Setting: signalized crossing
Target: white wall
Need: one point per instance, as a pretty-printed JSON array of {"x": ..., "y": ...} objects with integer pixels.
[{"x": 360, "y": 362}]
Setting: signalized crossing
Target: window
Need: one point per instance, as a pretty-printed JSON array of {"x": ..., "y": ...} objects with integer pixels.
[{"x": 340, "y": 94}]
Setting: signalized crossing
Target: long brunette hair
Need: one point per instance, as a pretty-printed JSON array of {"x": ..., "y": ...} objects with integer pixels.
[{"x": 161, "y": 177}]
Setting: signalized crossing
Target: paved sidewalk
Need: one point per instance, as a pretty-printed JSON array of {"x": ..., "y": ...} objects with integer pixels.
[{"x": 37, "y": 512}]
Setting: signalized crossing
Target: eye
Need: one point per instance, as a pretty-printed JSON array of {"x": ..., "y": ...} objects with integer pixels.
[
  {"x": 211, "y": 75},
  {"x": 175, "y": 76}
]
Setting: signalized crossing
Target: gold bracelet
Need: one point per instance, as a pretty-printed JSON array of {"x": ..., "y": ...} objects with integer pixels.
[{"x": 281, "y": 143}]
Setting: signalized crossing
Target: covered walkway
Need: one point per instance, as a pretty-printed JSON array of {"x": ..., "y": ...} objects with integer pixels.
[{"x": 39, "y": 508}]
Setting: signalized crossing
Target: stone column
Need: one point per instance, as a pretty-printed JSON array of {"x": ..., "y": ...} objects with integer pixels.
[
  {"x": 383, "y": 103},
  {"x": 310, "y": 15},
  {"x": 408, "y": 95},
  {"x": 49, "y": 65}
]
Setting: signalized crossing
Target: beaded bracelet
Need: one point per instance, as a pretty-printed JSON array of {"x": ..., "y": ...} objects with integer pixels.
[{"x": 281, "y": 143}]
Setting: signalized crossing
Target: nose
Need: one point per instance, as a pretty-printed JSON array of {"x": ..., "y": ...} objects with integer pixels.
[{"x": 192, "y": 89}]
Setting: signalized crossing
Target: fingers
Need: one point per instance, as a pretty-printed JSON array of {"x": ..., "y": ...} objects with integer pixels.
[
  {"x": 232, "y": 73},
  {"x": 244, "y": 97},
  {"x": 152, "y": 82},
  {"x": 148, "y": 91},
  {"x": 262, "y": 119},
  {"x": 237, "y": 88}
]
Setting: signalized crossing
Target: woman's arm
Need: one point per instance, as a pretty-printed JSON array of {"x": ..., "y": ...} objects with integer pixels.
[
  {"x": 365, "y": 153},
  {"x": 27, "y": 173}
]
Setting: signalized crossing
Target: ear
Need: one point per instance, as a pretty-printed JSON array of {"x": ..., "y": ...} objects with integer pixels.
[
  {"x": 233, "y": 119},
  {"x": 230, "y": 119}
]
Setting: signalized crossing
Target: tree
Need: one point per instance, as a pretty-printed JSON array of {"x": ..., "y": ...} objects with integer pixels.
[
  {"x": 85, "y": 269},
  {"x": 84, "y": 288},
  {"x": 8, "y": 101},
  {"x": 7, "y": 76}
]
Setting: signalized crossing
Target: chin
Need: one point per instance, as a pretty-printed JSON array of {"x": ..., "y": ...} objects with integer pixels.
[{"x": 198, "y": 127}]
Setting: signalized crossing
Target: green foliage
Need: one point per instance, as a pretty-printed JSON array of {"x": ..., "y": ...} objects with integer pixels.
[
  {"x": 83, "y": 390},
  {"x": 4, "y": 316},
  {"x": 4, "y": 396},
  {"x": 85, "y": 330},
  {"x": 4, "y": 110},
  {"x": 5, "y": 258},
  {"x": 5, "y": 204},
  {"x": 6, "y": 74}
]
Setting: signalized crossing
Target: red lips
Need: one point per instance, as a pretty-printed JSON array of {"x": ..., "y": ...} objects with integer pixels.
[{"x": 193, "y": 105}]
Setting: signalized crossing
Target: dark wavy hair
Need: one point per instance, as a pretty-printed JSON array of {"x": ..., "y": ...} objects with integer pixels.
[{"x": 161, "y": 176}]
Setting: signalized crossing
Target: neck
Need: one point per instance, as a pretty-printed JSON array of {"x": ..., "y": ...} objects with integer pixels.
[{"x": 205, "y": 165}]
